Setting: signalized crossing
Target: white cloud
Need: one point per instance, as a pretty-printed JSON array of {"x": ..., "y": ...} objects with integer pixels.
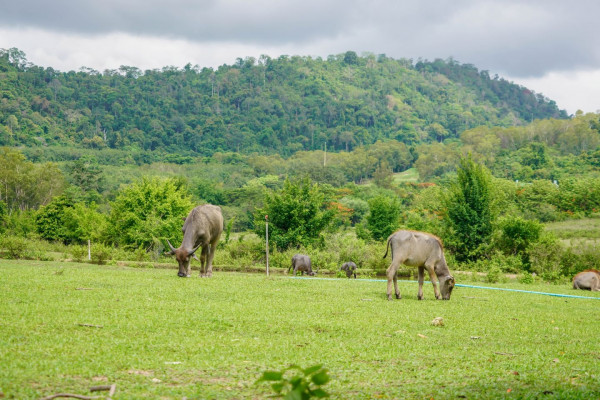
[{"x": 579, "y": 90}]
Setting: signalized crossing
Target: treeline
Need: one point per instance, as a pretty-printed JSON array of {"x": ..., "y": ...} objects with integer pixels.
[
  {"x": 488, "y": 224},
  {"x": 270, "y": 105}
]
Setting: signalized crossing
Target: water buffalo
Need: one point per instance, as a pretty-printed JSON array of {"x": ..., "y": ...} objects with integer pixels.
[
  {"x": 301, "y": 263},
  {"x": 202, "y": 229},
  {"x": 421, "y": 250},
  {"x": 587, "y": 280},
  {"x": 350, "y": 269}
]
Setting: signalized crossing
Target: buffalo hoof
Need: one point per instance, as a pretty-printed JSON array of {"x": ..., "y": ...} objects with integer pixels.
[{"x": 181, "y": 275}]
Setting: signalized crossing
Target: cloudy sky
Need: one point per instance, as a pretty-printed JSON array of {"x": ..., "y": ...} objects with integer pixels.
[{"x": 549, "y": 46}]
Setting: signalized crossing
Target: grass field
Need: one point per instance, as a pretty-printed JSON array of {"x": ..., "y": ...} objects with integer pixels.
[{"x": 65, "y": 327}]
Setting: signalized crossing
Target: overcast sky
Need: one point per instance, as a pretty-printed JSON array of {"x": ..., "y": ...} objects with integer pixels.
[{"x": 549, "y": 46}]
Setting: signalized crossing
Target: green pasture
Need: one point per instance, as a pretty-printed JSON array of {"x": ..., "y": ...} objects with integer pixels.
[{"x": 65, "y": 327}]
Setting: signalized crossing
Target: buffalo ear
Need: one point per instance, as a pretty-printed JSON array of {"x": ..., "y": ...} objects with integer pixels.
[
  {"x": 195, "y": 257},
  {"x": 183, "y": 219}
]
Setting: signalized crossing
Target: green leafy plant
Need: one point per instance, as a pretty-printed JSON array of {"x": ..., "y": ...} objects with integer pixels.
[
  {"x": 301, "y": 385},
  {"x": 298, "y": 214},
  {"x": 15, "y": 246}
]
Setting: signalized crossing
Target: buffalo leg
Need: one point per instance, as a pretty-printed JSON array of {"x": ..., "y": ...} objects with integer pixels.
[
  {"x": 421, "y": 279},
  {"x": 434, "y": 281},
  {"x": 203, "y": 261},
  {"x": 211, "y": 254},
  {"x": 391, "y": 277}
]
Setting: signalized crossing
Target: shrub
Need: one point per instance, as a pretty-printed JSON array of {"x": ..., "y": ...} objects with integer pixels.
[
  {"x": 303, "y": 384},
  {"x": 516, "y": 235},
  {"x": 15, "y": 246},
  {"x": 101, "y": 253},
  {"x": 79, "y": 253},
  {"x": 494, "y": 274},
  {"x": 527, "y": 279}
]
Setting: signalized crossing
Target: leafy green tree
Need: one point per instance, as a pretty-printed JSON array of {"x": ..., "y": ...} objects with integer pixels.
[
  {"x": 148, "y": 211},
  {"x": 517, "y": 234},
  {"x": 51, "y": 220},
  {"x": 25, "y": 185},
  {"x": 383, "y": 217},
  {"x": 3, "y": 216},
  {"x": 469, "y": 214},
  {"x": 383, "y": 176},
  {"x": 85, "y": 173},
  {"x": 298, "y": 214},
  {"x": 84, "y": 222}
]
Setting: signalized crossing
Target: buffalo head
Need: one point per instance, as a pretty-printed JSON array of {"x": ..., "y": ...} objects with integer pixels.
[
  {"x": 183, "y": 258},
  {"x": 446, "y": 286}
]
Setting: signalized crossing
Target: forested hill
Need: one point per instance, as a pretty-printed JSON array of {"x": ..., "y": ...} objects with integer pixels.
[{"x": 267, "y": 105}]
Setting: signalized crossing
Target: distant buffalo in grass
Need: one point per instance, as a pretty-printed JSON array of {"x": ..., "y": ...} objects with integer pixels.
[
  {"x": 587, "y": 280},
  {"x": 421, "y": 250},
  {"x": 301, "y": 262},
  {"x": 350, "y": 269}
]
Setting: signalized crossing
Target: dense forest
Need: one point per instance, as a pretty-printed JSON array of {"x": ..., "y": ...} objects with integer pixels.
[{"x": 270, "y": 105}]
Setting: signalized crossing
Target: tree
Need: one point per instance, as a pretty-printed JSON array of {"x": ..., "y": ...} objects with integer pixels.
[
  {"x": 517, "y": 234},
  {"x": 146, "y": 212},
  {"x": 383, "y": 176},
  {"x": 298, "y": 214},
  {"x": 84, "y": 222},
  {"x": 468, "y": 211},
  {"x": 51, "y": 220},
  {"x": 3, "y": 216},
  {"x": 86, "y": 174},
  {"x": 383, "y": 218}
]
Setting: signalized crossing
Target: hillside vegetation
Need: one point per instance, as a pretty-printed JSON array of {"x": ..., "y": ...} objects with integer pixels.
[{"x": 270, "y": 105}]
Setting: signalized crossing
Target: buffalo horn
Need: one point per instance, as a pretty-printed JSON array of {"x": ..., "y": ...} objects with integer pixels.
[
  {"x": 194, "y": 250},
  {"x": 171, "y": 246}
]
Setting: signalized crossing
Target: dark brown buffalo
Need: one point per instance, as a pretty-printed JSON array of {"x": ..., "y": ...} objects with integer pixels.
[
  {"x": 421, "y": 250},
  {"x": 202, "y": 229}
]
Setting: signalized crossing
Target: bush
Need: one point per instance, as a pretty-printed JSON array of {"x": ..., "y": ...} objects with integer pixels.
[
  {"x": 15, "y": 246},
  {"x": 101, "y": 253},
  {"x": 517, "y": 235},
  {"x": 79, "y": 253},
  {"x": 527, "y": 279}
]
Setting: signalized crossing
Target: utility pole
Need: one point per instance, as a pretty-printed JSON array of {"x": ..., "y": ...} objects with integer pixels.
[{"x": 267, "y": 237}]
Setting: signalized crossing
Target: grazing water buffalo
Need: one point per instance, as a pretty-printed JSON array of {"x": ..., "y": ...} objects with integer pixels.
[
  {"x": 301, "y": 263},
  {"x": 202, "y": 229},
  {"x": 421, "y": 250},
  {"x": 587, "y": 280},
  {"x": 350, "y": 269}
]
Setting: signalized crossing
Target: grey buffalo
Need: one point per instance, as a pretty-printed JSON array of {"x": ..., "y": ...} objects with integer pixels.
[
  {"x": 421, "y": 250},
  {"x": 202, "y": 229},
  {"x": 301, "y": 262},
  {"x": 587, "y": 280},
  {"x": 350, "y": 269}
]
